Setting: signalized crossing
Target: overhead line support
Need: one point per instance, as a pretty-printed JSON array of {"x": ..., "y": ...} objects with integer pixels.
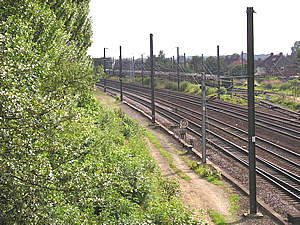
[
  {"x": 120, "y": 75},
  {"x": 152, "y": 79},
  {"x": 251, "y": 112}
]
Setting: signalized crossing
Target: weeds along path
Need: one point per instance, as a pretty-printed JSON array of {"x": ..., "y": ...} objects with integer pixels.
[{"x": 196, "y": 193}]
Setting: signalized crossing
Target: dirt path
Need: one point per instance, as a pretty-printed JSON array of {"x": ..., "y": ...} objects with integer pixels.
[{"x": 197, "y": 193}]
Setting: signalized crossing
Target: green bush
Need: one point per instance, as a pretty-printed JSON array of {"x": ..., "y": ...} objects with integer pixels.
[
  {"x": 223, "y": 90},
  {"x": 210, "y": 90},
  {"x": 284, "y": 86},
  {"x": 267, "y": 86},
  {"x": 285, "y": 102},
  {"x": 171, "y": 85},
  {"x": 184, "y": 85},
  {"x": 194, "y": 89},
  {"x": 64, "y": 158},
  {"x": 138, "y": 79},
  {"x": 147, "y": 81},
  {"x": 234, "y": 100}
]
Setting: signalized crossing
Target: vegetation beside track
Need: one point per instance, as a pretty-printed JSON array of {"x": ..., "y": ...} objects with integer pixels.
[
  {"x": 204, "y": 171},
  {"x": 64, "y": 158},
  {"x": 278, "y": 91},
  {"x": 220, "y": 219},
  {"x": 167, "y": 156},
  {"x": 284, "y": 93}
]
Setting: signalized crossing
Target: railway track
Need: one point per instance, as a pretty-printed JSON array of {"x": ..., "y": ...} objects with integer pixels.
[
  {"x": 196, "y": 78},
  {"x": 276, "y": 164},
  {"x": 288, "y": 127},
  {"x": 290, "y": 113},
  {"x": 269, "y": 105},
  {"x": 241, "y": 114}
]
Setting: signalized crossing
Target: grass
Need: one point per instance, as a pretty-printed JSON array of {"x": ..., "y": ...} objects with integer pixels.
[
  {"x": 217, "y": 218},
  {"x": 220, "y": 219},
  {"x": 99, "y": 93},
  {"x": 213, "y": 177},
  {"x": 203, "y": 171},
  {"x": 234, "y": 100},
  {"x": 118, "y": 99},
  {"x": 234, "y": 206},
  {"x": 156, "y": 144},
  {"x": 283, "y": 92},
  {"x": 167, "y": 156}
]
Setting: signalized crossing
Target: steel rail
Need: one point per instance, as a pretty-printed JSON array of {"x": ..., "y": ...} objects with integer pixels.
[
  {"x": 198, "y": 115},
  {"x": 259, "y": 138},
  {"x": 292, "y": 122},
  {"x": 259, "y": 122},
  {"x": 291, "y": 190},
  {"x": 196, "y": 99}
]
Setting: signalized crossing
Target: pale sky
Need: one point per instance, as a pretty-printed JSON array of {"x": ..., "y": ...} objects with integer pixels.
[{"x": 195, "y": 26}]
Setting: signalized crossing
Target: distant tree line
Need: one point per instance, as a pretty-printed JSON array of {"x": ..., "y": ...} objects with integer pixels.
[{"x": 230, "y": 65}]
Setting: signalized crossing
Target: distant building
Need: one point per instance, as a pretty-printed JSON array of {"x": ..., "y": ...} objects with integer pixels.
[
  {"x": 274, "y": 65},
  {"x": 238, "y": 61}
]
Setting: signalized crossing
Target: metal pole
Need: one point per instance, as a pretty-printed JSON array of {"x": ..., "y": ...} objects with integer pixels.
[
  {"x": 218, "y": 65},
  {"x": 142, "y": 70},
  {"x": 133, "y": 72},
  {"x": 178, "y": 82},
  {"x": 242, "y": 63},
  {"x": 120, "y": 75},
  {"x": 184, "y": 64},
  {"x": 251, "y": 112},
  {"x": 173, "y": 62},
  {"x": 130, "y": 69},
  {"x": 184, "y": 61},
  {"x": 231, "y": 87},
  {"x": 203, "y": 120},
  {"x": 152, "y": 79},
  {"x": 113, "y": 67},
  {"x": 169, "y": 75},
  {"x": 104, "y": 62},
  {"x": 202, "y": 63}
]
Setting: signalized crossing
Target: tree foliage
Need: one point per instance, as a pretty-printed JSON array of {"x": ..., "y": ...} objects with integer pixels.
[
  {"x": 238, "y": 70},
  {"x": 65, "y": 159},
  {"x": 45, "y": 76}
]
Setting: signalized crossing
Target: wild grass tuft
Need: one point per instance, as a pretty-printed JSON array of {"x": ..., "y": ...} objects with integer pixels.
[{"x": 167, "y": 156}]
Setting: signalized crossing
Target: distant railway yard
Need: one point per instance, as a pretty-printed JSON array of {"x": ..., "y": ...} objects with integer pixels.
[{"x": 277, "y": 138}]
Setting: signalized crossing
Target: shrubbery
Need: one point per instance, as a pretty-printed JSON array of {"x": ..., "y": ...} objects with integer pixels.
[
  {"x": 147, "y": 81},
  {"x": 184, "y": 85},
  {"x": 64, "y": 158},
  {"x": 170, "y": 85}
]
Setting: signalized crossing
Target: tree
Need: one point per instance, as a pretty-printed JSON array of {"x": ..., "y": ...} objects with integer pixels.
[
  {"x": 161, "y": 55},
  {"x": 238, "y": 70},
  {"x": 64, "y": 158},
  {"x": 296, "y": 56},
  {"x": 45, "y": 77},
  {"x": 211, "y": 65},
  {"x": 196, "y": 63}
]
